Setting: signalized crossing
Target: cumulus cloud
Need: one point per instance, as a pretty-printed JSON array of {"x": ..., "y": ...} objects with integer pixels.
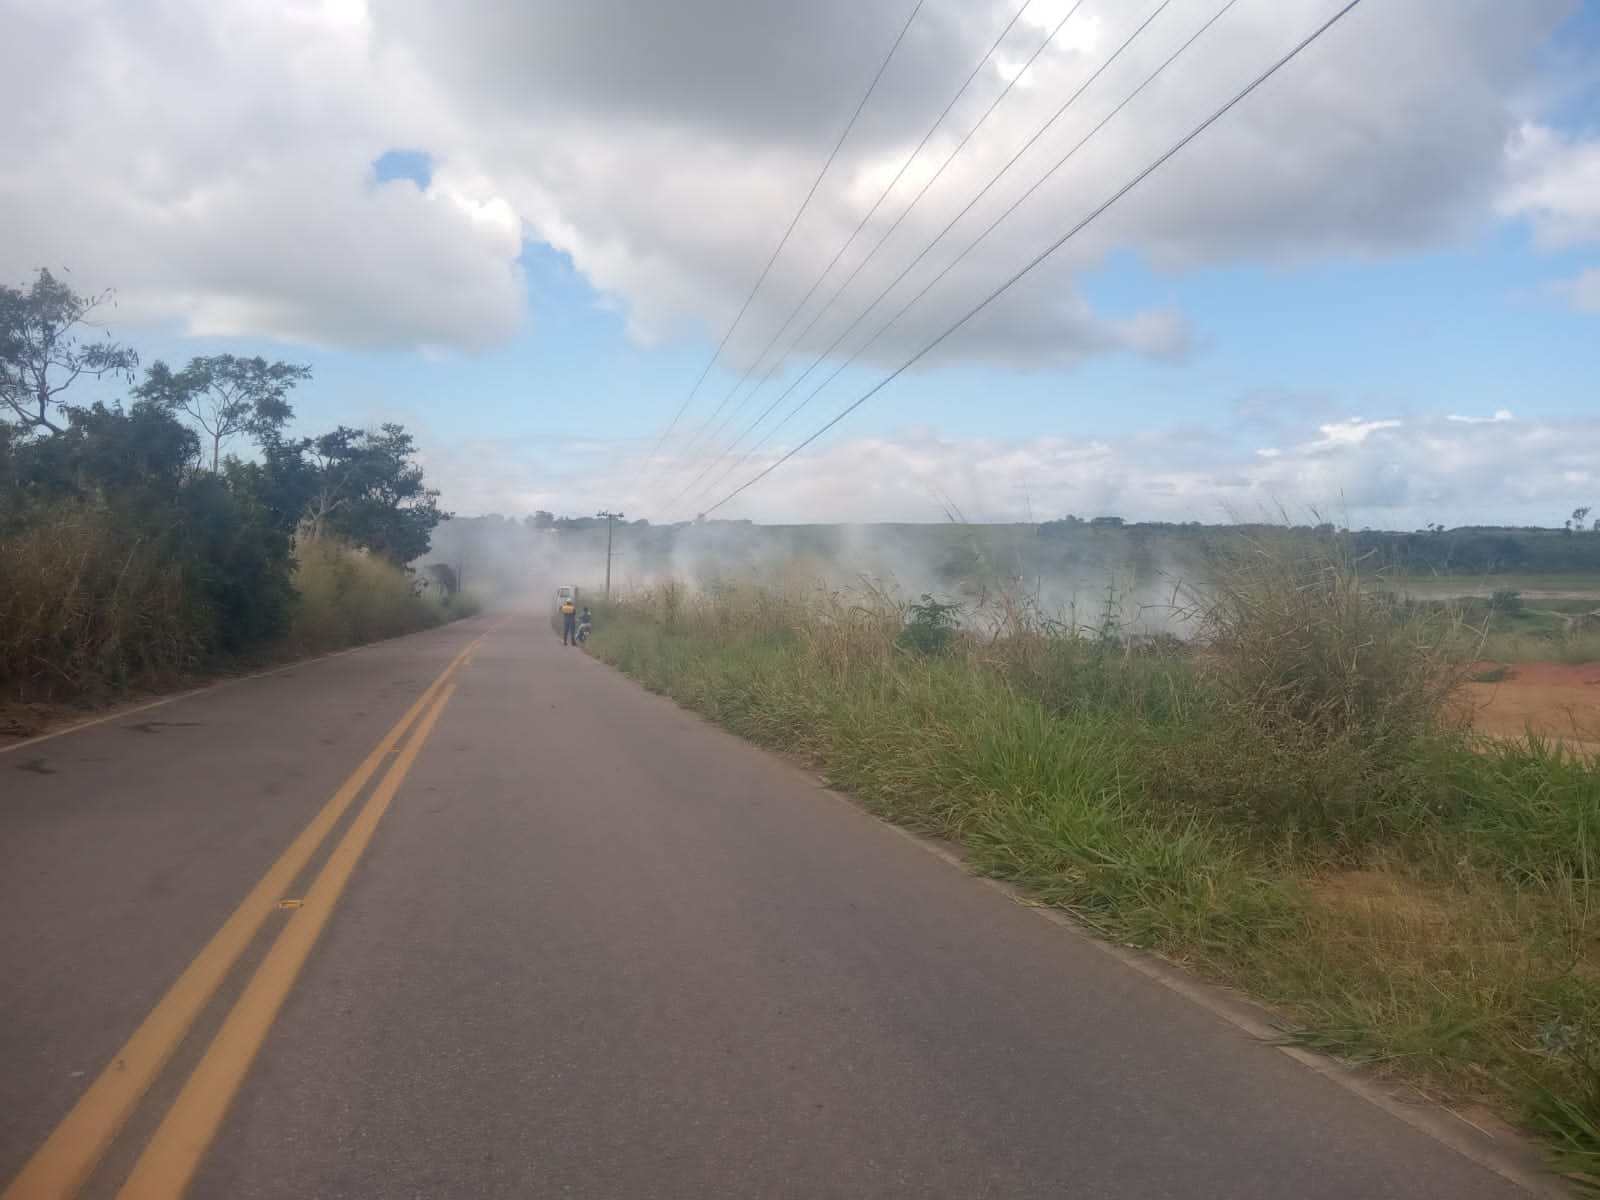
[
  {"x": 1384, "y": 472},
  {"x": 1554, "y": 182},
  {"x": 213, "y": 162},
  {"x": 1387, "y": 136},
  {"x": 213, "y": 159}
]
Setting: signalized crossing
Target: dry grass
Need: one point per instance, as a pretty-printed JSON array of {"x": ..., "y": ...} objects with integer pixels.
[
  {"x": 84, "y": 612},
  {"x": 347, "y": 597},
  {"x": 87, "y": 614}
]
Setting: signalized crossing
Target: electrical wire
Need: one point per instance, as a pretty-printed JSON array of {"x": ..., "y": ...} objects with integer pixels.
[
  {"x": 971, "y": 246},
  {"x": 1139, "y": 178},
  {"x": 688, "y": 447},
  {"x": 784, "y": 241},
  {"x": 909, "y": 267}
]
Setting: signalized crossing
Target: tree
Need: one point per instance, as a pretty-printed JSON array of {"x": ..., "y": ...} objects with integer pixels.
[
  {"x": 368, "y": 491},
  {"x": 126, "y": 462},
  {"x": 445, "y": 578},
  {"x": 44, "y": 350},
  {"x": 226, "y": 396}
]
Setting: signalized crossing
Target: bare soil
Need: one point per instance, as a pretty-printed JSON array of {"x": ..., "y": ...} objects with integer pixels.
[{"x": 1552, "y": 700}]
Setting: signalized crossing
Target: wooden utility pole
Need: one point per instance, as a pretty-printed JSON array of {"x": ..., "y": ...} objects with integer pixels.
[{"x": 611, "y": 519}]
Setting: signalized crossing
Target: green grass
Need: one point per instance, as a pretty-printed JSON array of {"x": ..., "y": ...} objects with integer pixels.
[
  {"x": 1571, "y": 646},
  {"x": 1586, "y": 582},
  {"x": 1271, "y": 808},
  {"x": 1508, "y": 626}
]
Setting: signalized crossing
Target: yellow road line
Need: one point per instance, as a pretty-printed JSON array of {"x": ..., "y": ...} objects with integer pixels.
[
  {"x": 61, "y": 1165},
  {"x": 168, "y": 1163}
]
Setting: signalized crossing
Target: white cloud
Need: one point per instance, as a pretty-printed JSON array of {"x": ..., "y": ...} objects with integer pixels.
[
  {"x": 1388, "y": 475},
  {"x": 1387, "y": 136},
  {"x": 211, "y": 158},
  {"x": 1347, "y": 433},
  {"x": 213, "y": 163},
  {"x": 1501, "y": 415},
  {"x": 1555, "y": 183}
]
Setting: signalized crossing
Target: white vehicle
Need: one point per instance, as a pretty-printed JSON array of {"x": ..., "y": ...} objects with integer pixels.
[{"x": 565, "y": 593}]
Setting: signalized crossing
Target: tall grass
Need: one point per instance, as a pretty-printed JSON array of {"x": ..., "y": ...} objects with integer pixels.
[
  {"x": 85, "y": 611},
  {"x": 347, "y": 597},
  {"x": 1283, "y": 803},
  {"x": 88, "y": 612}
]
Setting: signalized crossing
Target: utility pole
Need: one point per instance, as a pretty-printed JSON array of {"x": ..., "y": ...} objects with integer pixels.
[{"x": 611, "y": 519}]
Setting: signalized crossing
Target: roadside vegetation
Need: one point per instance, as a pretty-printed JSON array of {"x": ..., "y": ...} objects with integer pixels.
[
  {"x": 1285, "y": 801},
  {"x": 1544, "y": 625},
  {"x": 181, "y": 528}
]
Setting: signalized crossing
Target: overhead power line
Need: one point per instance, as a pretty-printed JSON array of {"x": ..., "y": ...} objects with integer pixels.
[
  {"x": 782, "y": 242},
  {"x": 939, "y": 237},
  {"x": 1016, "y": 78},
  {"x": 970, "y": 247},
  {"x": 1094, "y": 214}
]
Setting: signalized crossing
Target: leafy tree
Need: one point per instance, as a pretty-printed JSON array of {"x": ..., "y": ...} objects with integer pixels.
[
  {"x": 124, "y": 461},
  {"x": 225, "y": 396},
  {"x": 369, "y": 491},
  {"x": 44, "y": 349},
  {"x": 237, "y": 564}
]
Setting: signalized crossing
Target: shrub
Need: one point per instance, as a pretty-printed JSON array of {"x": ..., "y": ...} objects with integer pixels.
[
  {"x": 347, "y": 597},
  {"x": 932, "y": 627},
  {"x": 1507, "y": 602},
  {"x": 1328, "y": 697}
]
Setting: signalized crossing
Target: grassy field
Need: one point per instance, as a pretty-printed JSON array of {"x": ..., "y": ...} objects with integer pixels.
[
  {"x": 1512, "y": 626},
  {"x": 1280, "y": 804},
  {"x": 1583, "y": 583}
]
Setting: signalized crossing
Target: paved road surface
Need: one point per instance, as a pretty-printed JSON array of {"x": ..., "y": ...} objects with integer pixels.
[{"x": 588, "y": 947}]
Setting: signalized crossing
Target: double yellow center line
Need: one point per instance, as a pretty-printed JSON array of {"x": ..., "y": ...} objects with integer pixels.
[{"x": 69, "y": 1155}]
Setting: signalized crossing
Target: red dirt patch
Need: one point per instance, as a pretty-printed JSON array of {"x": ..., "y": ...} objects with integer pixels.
[{"x": 1548, "y": 699}]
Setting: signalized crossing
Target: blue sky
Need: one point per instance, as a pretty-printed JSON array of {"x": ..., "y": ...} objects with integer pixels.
[{"x": 530, "y": 270}]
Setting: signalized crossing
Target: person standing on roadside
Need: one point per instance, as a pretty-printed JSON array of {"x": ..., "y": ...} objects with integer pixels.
[{"x": 569, "y": 623}]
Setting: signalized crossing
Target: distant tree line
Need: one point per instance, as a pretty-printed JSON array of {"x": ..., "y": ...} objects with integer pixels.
[
  {"x": 1467, "y": 550},
  {"x": 160, "y": 527}
]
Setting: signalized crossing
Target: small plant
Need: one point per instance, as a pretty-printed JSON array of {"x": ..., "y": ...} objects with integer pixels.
[
  {"x": 932, "y": 627},
  {"x": 1507, "y": 602},
  {"x": 1495, "y": 674}
]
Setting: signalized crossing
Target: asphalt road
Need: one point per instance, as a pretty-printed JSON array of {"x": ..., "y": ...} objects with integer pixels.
[{"x": 575, "y": 943}]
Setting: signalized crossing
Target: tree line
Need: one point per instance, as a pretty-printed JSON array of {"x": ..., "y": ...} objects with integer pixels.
[{"x": 156, "y": 531}]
